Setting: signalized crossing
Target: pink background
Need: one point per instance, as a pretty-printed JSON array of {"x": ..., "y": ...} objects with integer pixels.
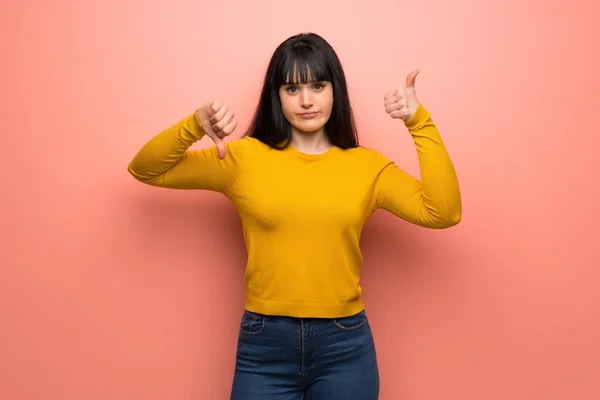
[{"x": 110, "y": 289}]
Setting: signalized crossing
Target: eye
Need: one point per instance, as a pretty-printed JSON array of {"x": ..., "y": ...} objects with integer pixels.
[
  {"x": 318, "y": 86},
  {"x": 291, "y": 89}
]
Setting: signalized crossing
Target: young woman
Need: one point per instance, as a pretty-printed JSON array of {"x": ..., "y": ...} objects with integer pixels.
[{"x": 304, "y": 189}]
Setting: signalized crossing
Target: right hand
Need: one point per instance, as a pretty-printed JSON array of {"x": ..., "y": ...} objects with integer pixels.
[{"x": 218, "y": 122}]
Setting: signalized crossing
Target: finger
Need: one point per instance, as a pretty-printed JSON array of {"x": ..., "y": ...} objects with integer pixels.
[
  {"x": 223, "y": 122},
  {"x": 219, "y": 115},
  {"x": 393, "y": 95},
  {"x": 389, "y": 94},
  {"x": 395, "y": 106},
  {"x": 399, "y": 98},
  {"x": 221, "y": 134},
  {"x": 215, "y": 106},
  {"x": 397, "y": 95},
  {"x": 221, "y": 148},
  {"x": 230, "y": 127},
  {"x": 398, "y": 113},
  {"x": 410, "y": 80}
]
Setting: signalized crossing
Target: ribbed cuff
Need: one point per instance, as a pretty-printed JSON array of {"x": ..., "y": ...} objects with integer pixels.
[{"x": 421, "y": 116}]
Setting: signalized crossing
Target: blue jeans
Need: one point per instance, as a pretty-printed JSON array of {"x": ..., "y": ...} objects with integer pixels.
[{"x": 284, "y": 358}]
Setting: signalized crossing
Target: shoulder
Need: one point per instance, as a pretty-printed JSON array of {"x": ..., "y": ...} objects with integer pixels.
[
  {"x": 245, "y": 147},
  {"x": 247, "y": 142},
  {"x": 241, "y": 145}
]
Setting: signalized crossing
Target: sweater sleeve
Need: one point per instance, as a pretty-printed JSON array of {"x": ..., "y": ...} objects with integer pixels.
[
  {"x": 165, "y": 160},
  {"x": 435, "y": 200}
]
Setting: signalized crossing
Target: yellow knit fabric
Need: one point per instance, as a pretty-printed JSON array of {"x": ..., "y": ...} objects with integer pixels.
[{"x": 302, "y": 214}]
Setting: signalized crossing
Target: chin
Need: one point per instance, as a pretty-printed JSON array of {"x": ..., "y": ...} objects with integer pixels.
[{"x": 310, "y": 131}]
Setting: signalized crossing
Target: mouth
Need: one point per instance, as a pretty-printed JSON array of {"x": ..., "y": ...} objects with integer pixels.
[{"x": 308, "y": 115}]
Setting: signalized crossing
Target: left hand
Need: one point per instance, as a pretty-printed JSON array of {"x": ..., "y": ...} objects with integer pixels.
[{"x": 402, "y": 102}]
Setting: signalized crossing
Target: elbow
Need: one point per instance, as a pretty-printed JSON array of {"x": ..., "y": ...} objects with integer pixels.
[
  {"x": 441, "y": 221},
  {"x": 448, "y": 222},
  {"x": 136, "y": 173},
  {"x": 449, "y": 219},
  {"x": 453, "y": 211},
  {"x": 453, "y": 217},
  {"x": 131, "y": 170}
]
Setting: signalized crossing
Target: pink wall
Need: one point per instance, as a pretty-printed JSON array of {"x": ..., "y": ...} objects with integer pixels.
[{"x": 113, "y": 290}]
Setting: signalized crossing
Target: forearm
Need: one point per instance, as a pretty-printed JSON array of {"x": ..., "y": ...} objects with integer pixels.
[
  {"x": 165, "y": 150},
  {"x": 440, "y": 195}
]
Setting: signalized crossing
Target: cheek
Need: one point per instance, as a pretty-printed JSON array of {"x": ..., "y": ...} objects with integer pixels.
[
  {"x": 328, "y": 98},
  {"x": 286, "y": 106},
  {"x": 329, "y": 104}
]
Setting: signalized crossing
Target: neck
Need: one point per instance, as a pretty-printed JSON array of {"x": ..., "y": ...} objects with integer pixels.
[{"x": 311, "y": 142}]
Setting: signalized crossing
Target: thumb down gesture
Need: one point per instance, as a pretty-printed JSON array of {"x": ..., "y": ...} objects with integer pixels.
[{"x": 218, "y": 122}]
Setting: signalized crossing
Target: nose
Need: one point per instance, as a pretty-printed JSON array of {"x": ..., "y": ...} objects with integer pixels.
[{"x": 306, "y": 98}]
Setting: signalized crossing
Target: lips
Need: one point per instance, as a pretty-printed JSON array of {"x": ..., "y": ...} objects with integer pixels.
[{"x": 308, "y": 115}]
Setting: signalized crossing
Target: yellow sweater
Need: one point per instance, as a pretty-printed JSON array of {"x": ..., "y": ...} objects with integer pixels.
[{"x": 302, "y": 214}]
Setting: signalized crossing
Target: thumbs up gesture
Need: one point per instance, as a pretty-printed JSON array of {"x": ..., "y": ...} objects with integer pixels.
[
  {"x": 402, "y": 102},
  {"x": 218, "y": 122}
]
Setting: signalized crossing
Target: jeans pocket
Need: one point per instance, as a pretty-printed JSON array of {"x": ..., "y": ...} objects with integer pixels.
[
  {"x": 252, "y": 323},
  {"x": 352, "y": 322}
]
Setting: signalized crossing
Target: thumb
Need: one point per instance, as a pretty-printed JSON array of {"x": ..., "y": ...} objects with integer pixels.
[
  {"x": 410, "y": 80},
  {"x": 221, "y": 147}
]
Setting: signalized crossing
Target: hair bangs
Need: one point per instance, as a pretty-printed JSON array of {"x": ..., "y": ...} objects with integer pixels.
[{"x": 303, "y": 65}]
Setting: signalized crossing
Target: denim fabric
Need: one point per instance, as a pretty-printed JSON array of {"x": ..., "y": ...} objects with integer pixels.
[{"x": 283, "y": 358}]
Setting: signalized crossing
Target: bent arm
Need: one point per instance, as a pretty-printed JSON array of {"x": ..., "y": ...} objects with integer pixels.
[
  {"x": 165, "y": 160},
  {"x": 435, "y": 200}
]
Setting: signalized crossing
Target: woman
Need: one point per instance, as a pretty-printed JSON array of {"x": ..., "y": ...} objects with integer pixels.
[{"x": 304, "y": 189}]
